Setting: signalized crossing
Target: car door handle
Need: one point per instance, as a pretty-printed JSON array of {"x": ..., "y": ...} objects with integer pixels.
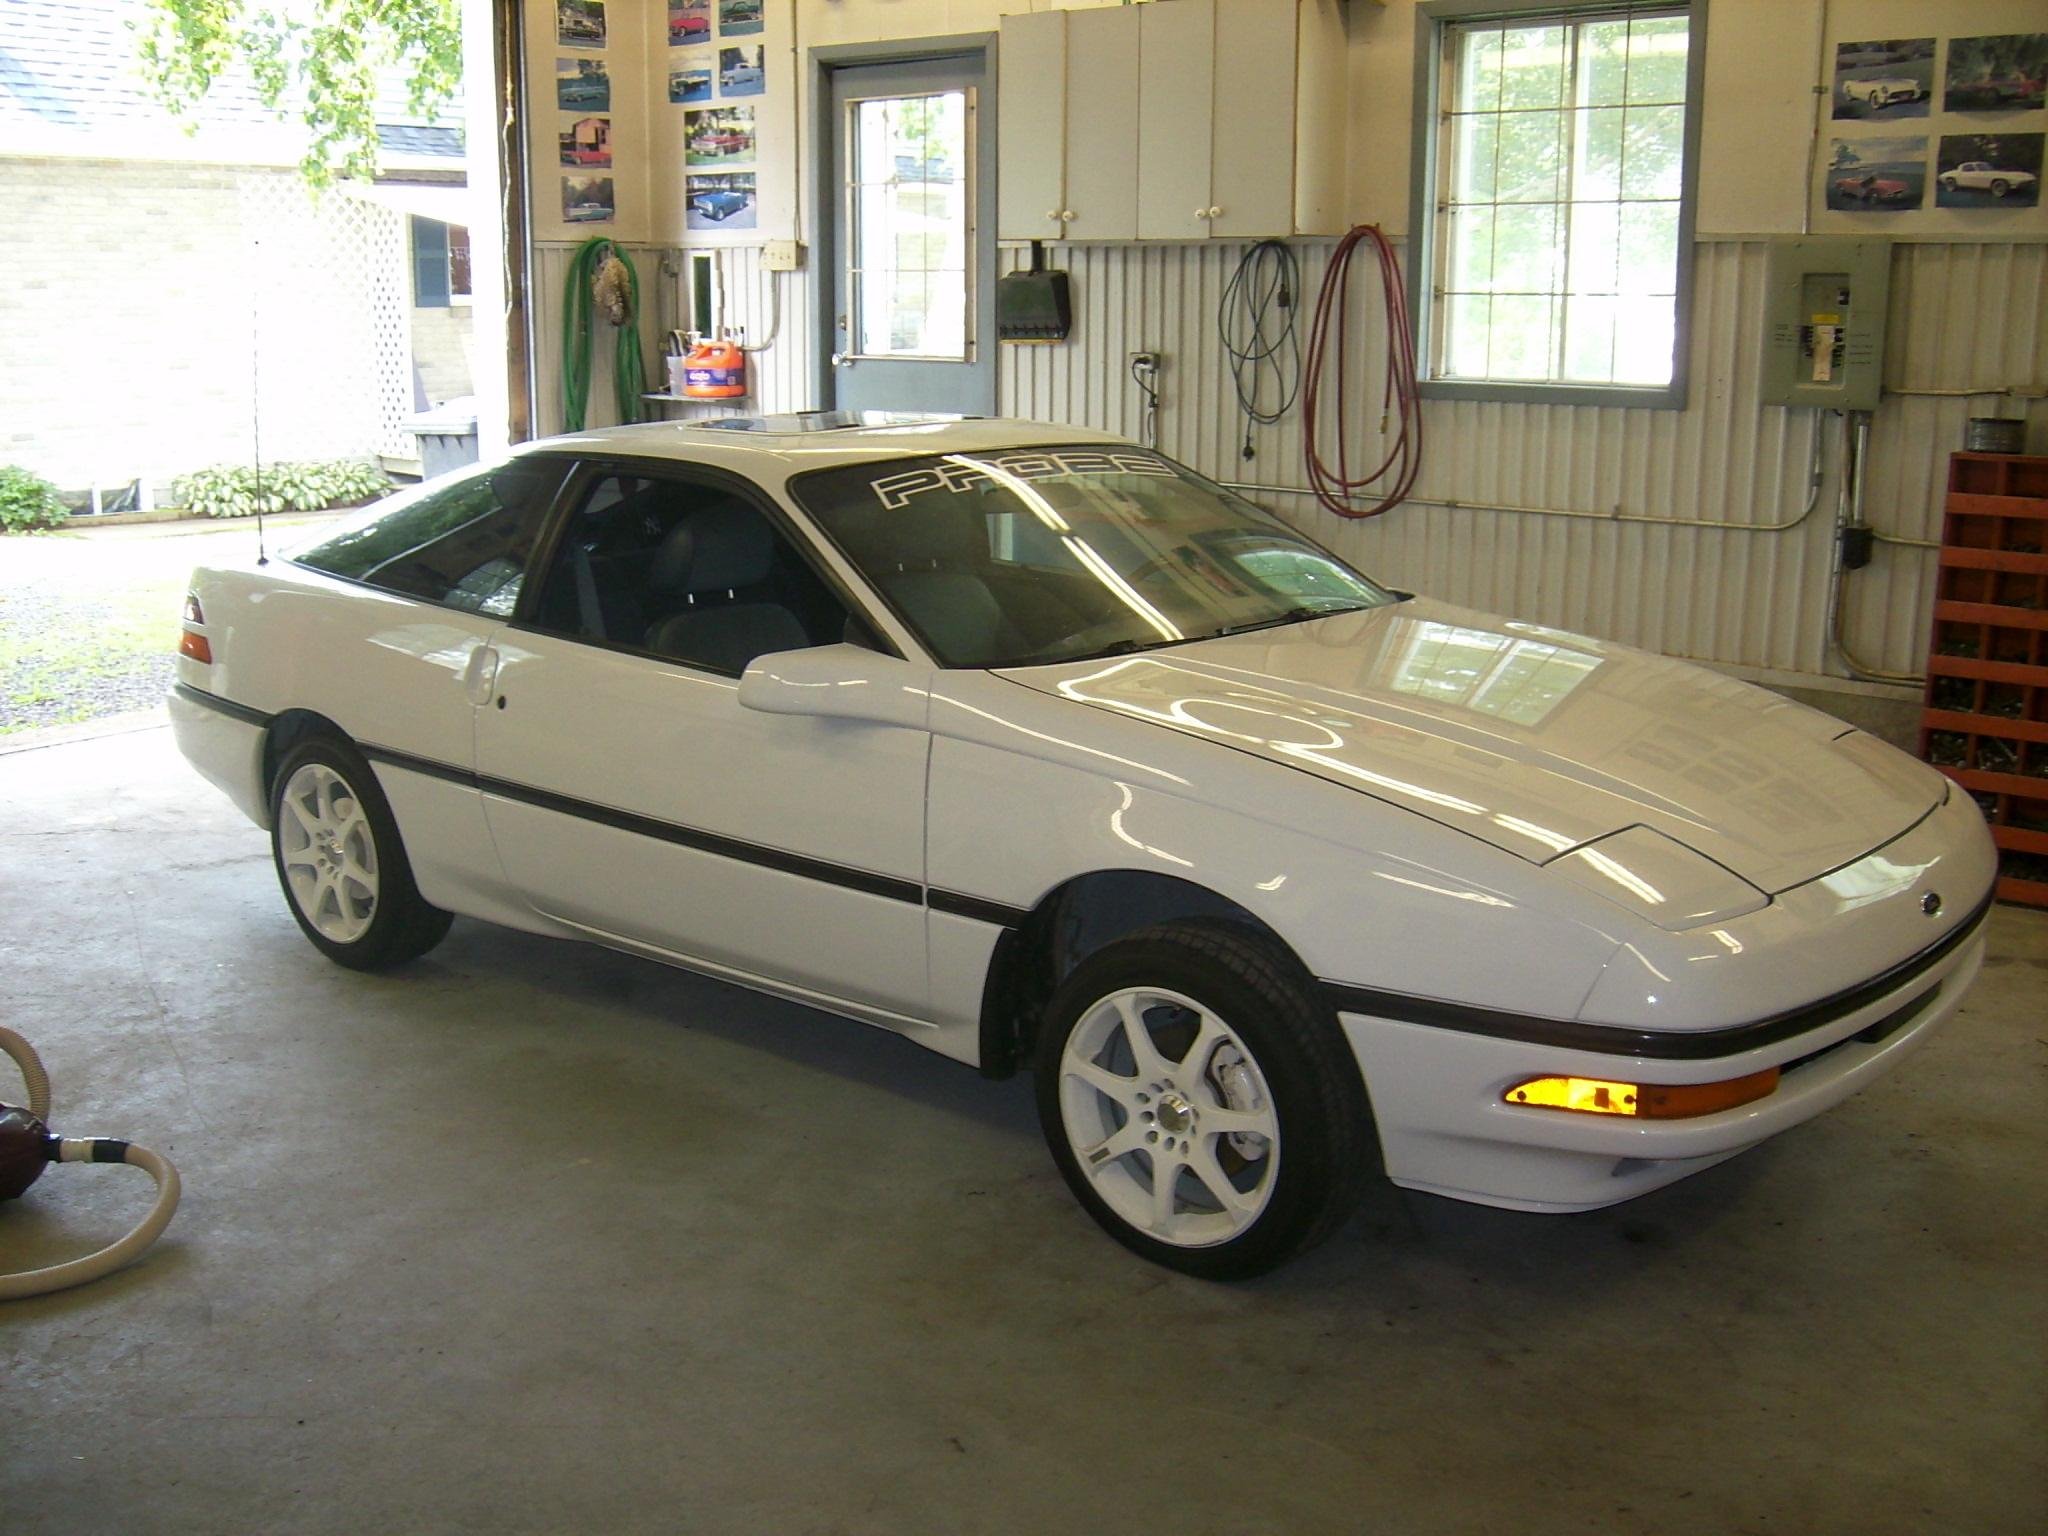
[{"x": 481, "y": 675}]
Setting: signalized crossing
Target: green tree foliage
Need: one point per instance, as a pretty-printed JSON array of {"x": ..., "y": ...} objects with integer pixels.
[{"x": 318, "y": 59}]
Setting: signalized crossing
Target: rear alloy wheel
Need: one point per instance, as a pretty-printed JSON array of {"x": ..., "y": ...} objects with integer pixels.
[
  {"x": 1201, "y": 1101},
  {"x": 340, "y": 861}
]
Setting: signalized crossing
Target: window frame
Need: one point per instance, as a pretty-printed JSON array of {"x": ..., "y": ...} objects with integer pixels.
[
  {"x": 1426, "y": 172},
  {"x": 830, "y": 540},
  {"x": 588, "y": 469},
  {"x": 548, "y": 531}
]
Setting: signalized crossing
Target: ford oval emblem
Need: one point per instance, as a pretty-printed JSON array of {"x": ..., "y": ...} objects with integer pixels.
[{"x": 1931, "y": 903}]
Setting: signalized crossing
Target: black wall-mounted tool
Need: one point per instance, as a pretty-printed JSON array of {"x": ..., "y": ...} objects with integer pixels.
[{"x": 1037, "y": 305}]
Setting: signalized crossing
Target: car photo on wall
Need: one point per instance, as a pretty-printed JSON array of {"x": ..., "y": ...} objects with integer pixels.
[
  {"x": 581, "y": 85},
  {"x": 2004, "y": 73},
  {"x": 587, "y": 142},
  {"x": 686, "y": 86},
  {"x": 580, "y": 23},
  {"x": 587, "y": 200},
  {"x": 1989, "y": 170},
  {"x": 1887, "y": 79},
  {"x": 718, "y": 136},
  {"x": 1877, "y": 175},
  {"x": 720, "y": 202},
  {"x": 740, "y": 72},
  {"x": 689, "y": 21}
]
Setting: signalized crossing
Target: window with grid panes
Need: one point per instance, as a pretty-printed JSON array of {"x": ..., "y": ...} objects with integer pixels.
[{"x": 1556, "y": 250}]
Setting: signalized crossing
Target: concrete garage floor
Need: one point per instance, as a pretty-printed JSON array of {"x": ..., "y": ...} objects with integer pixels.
[{"x": 539, "y": 1238}]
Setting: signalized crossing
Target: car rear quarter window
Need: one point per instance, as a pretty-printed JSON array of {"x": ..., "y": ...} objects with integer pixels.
[{"x": 463, "y": 541}]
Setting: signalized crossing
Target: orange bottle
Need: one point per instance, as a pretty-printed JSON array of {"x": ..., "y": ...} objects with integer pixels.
[{"x": 715, "y": 370}]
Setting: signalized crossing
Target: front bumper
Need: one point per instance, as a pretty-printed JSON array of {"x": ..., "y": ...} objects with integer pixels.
[
  {"x": 1437, "y": 1073},
  {"x": 1445, "y": 1127}
]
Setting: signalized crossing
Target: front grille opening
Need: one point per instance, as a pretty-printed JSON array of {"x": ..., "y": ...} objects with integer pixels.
[{"x": 1874, "y": 1033}]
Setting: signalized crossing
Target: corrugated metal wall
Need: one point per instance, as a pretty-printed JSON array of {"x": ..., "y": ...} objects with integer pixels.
[{"x": 1963, "y": 316}]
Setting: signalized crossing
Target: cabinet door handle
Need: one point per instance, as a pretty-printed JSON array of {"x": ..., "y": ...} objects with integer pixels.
[
  {"x": 1053, "y": 214},
  {"x": 1201, "y": 213},
  {"x": 1215, "y": 213},
  {"x": 1066, "y": 215}
]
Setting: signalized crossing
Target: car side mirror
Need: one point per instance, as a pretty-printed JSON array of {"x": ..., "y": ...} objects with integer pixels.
[{"x": 843, "y": 682}]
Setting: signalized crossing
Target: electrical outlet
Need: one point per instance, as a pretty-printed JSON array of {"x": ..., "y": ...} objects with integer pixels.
[{"x": 782, "y": 256}]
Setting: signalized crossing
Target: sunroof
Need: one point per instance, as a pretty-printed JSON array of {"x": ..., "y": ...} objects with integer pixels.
[{"x": 803, "y": 423}]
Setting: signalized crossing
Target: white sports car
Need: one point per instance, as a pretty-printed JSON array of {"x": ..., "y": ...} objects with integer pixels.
[
  {"x": 1982, "y": 176},
  {"x": 1038, "y": 748}
]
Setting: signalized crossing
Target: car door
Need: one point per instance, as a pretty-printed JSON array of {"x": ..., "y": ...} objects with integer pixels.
[
  {"x": 633, "y": 798},
  {"x": 400, "y": 657}
]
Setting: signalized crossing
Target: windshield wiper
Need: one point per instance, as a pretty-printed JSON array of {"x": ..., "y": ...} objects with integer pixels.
[
  {"x": 1124, "y": 647},
  {"x": 1299, "y": 614}
]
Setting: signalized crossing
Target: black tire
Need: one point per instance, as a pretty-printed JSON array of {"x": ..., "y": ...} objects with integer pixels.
[
  {"x": 2000, "y": 188},
  {"x": 401, "y": 925},
  {"x": 1264, "y": 997}
]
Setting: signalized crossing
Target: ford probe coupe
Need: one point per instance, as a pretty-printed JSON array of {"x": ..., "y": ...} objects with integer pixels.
[{"x": 1039, "y": 749}]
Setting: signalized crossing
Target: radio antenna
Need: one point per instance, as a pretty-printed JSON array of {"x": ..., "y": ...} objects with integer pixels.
[{"x": 256, "y": 394}]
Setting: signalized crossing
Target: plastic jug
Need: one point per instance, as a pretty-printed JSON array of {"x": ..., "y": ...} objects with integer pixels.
[{"x": 715, "y": 370}]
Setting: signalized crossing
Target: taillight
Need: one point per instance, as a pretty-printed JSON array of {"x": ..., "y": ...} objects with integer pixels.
[{"x": 190, "y": 643}]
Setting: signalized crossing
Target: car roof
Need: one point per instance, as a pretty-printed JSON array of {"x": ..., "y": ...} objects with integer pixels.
[{"x": 773, "y": 448}]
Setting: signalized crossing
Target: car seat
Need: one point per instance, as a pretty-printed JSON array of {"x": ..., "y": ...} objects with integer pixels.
[
  {"x": 937, "y": 586},
  {"x": 707, "y": 574}
]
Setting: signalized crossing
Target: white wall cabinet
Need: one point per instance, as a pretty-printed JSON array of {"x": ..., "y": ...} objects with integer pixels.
[{"x": 1178, "y": 120}]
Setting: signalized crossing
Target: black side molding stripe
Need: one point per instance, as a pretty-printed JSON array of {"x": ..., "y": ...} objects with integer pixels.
[
  {"x": 422, "y": 765},
  {"x": 889, "y": 887},
  {"x": 228, "y": 707},
  {"x": 1608, "y": 1040},
  {"x": 958, "y": 904}
]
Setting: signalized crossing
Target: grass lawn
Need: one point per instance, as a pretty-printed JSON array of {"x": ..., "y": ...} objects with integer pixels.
[{"x": 89, "y": 621}]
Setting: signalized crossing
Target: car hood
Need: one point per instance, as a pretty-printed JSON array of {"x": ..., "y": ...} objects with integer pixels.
[{"x": 1533, "y": 740}]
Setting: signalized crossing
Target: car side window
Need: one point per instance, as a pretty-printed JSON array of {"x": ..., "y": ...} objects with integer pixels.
[
  {"x": 464, "y": 541},
  {"x": 686, "y": 571}
]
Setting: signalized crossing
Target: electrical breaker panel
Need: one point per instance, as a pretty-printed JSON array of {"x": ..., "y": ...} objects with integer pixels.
[{"x": 1824, "y": 312}]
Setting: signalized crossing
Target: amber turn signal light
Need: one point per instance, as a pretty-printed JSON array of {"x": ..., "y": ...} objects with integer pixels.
[
  {"x": 195, "y": 646},
  {"x": 1642, "y": 1101}
]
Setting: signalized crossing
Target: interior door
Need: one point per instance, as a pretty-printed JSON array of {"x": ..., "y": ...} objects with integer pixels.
[
  {"x": 632, "y": 797},
  {"x": 912, "y": 238}
]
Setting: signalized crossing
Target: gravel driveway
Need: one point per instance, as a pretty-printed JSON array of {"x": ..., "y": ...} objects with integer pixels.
[{"x": 88, "y": 620}]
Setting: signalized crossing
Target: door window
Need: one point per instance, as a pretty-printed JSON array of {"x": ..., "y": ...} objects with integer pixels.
[
  {"x": 685, "y": 571},
  {"x": 907, "y": 195},
  {"x": 463, "y": 542}
]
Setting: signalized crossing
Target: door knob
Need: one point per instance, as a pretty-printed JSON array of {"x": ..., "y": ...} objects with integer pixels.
[
  {"x": 1215, "y": 213},
  {"x": 1066, "y": 215},
  {"x": 842, "y": 360}
]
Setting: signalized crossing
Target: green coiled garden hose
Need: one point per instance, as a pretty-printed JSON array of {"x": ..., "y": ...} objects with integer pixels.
[{"x": 579, "y": 298}]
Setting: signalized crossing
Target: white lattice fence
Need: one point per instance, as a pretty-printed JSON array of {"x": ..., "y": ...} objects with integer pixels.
[{"x": 331, "y": 300}]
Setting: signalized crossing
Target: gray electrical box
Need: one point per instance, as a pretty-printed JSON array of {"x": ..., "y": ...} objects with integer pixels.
[{"x": 1824, "y": 311}]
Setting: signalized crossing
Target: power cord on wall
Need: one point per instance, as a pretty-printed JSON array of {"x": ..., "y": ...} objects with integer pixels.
[{"x": 1255, "y": 321}]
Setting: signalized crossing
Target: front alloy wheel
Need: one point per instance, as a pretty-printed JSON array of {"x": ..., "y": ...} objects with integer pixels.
[
  {"x": 1184, "y": 1149},
  {"x": 1200, "y": 1100}
]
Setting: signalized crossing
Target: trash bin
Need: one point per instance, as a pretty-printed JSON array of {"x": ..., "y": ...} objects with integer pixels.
[{"x": 446, "y": 435}]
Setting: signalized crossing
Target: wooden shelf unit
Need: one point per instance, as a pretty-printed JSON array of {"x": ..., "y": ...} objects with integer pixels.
[{"x": 1985, "y": 721}]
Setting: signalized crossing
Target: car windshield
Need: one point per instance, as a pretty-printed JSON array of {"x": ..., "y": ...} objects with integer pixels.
[{"x": 1016, "y": 557}]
